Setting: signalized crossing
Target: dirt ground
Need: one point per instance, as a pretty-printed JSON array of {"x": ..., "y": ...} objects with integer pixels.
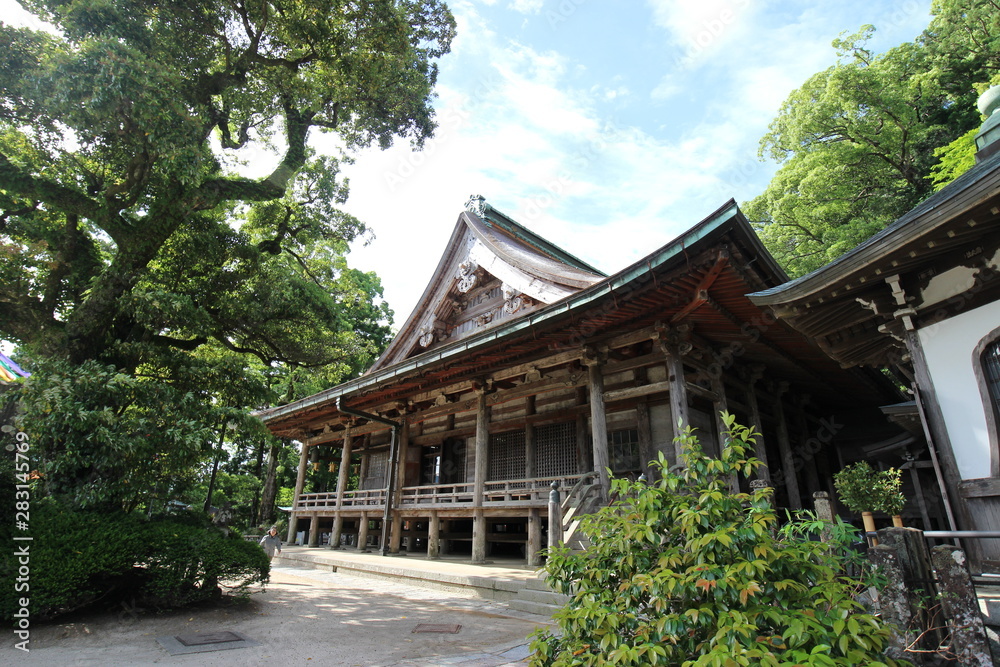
[{"x": 304, "y": 617}]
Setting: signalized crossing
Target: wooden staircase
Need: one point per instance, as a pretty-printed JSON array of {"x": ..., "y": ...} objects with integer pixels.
[{"x": 583, "y": 499}]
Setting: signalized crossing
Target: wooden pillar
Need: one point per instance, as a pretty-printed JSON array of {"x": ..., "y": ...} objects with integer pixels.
[
  {"x": 342, "y": 476},
  {"x": 720, "y": 405},
  {"x": 583, "y": 448},
  {"x": 530, "y": 465},
  {"x": 645, "y": 433},
  {"x": 434, "y": 536},
  {"x": 396, "y": 533},
  {"x": 807, "y": 453},
  {"x": 363, "y": 532},
  {"x": 300, "y": 482},
  {"x": 759, "y": 448},
  {"x": 785, "y": 447},
  {"x": 365, "y": 461},
  {"x": 534, "y": 547},
  {"x": 679, "y": 417},
  {"x": 314, "y": 530},
  {"x": 411, "y": 541},
  {"x": 479, "y": 482},
  {"x": 478, "y": 537},
  {"x": 599, "y": 426}
]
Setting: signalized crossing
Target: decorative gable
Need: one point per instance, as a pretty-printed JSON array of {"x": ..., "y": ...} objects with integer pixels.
[{"x": 492, "y": 271}]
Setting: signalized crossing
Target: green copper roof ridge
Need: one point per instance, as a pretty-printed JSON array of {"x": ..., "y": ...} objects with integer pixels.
[{"x": 524, "y": 234}]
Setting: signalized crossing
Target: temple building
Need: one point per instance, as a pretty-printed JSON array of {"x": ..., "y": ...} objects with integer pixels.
[{"x": 523, "y": 368}]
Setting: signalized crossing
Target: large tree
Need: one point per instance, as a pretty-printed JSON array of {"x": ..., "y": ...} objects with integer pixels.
[
  {"x": 164, "y": 218},
  {"x": 117, "y": 140},
  {"x": 857, "y": 142}
]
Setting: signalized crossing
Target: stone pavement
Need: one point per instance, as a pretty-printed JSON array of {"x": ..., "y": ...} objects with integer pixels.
[{"x": 306, "y": 616}]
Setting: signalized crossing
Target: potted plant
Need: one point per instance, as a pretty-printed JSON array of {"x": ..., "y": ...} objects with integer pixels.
[
  {"x": 889, "y": 492},
  {"x": 856, "y": 485},
  {"x": 863, "y": 489}
]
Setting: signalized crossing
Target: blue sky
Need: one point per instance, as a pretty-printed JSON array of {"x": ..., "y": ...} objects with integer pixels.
[{"x": 606, "y": 127}]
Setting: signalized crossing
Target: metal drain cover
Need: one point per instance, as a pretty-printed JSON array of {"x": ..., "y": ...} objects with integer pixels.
[
  {"x": 204, "y": 642},
  {"x": 203, "y": 638},
  {"x": 437, "y": 627}
]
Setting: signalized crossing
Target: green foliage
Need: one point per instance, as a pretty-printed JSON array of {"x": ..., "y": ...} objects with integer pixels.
[
  {"x": 186, "y": 562},
  {"x": 954, "y": 159},
  {"x": 80, "y": 558},
  {"x": 103, "y": 439},
  {"x": 864, "y": 489},
  {"x": 167, "y": 229},
  {"x": 683, "y": 572}
]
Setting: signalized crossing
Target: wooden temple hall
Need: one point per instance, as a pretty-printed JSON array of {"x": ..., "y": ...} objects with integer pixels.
[{"x": 523, "y": 367}]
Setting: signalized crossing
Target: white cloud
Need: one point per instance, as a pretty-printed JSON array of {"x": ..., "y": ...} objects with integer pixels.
[{"x": 527, "y": 6}]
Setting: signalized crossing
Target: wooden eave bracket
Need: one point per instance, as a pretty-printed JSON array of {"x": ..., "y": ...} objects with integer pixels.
[{"x": 701, "y": 295}]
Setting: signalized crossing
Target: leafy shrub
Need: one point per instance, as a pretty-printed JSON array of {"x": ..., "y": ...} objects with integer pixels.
[
  {"x": 863, "y": 489},
  {"x": 683, "y": 572},
  {"x": 81, "y": 558},
  {"x": 75, "y": 559},
  {"x": 187, "y": 563}
]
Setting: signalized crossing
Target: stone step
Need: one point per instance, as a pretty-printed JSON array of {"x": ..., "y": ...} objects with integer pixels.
[
  {"x": 545, "y": 597},
  {"x": 536, "y": 584},
  {"x": 527, "y": 606}
]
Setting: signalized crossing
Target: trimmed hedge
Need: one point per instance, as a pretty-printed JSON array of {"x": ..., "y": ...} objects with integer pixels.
[{"x": 82, "y": 558}]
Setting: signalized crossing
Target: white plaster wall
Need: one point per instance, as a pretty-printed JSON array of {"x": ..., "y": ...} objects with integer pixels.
[{"x": 948, "y": 347}]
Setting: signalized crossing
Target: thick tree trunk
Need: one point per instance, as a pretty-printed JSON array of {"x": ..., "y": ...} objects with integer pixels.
[{"x": 270, "y": 490}]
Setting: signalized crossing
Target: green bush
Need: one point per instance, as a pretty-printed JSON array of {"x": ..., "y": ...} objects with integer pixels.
[
  {"x": 75, "y": 559},
  {"x": 683, "y": 572},
  {"x": 863, "y": 489},
  {"x": 80, "y": 558}
]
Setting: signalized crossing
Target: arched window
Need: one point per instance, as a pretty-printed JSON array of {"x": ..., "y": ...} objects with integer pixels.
[{"x": 986, "y": 360}]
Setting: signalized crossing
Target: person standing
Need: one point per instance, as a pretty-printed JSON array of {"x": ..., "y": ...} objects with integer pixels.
[{"x": 271, "y": 543}]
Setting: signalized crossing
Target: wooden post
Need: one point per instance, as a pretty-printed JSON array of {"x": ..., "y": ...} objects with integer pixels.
[
  {"x": 482, "y": 449},
  {"x": 533, "y": 549},
  {"x": 584, "y": 453},
  {"x": 396, "y": 534},
  {"x": 555, "y": 517},
  {"x": 645, "y": 433},
  {"x": 599, "y": 426},
  {"x": 787, "y": 456},
  {"x": 679, "y": 417},
  {"x": 363, "y": 532},
  {"x": 759, "y": 448},
  {"x": 530, "y": 466},
  {"x": 720, "y": 405},
  {"x": 300, "y": 482},
  {"x": 434, "y": 536},
  {"x": 807, "y": 457},
  {"x": 478, "y": 537},
  {"x": 345, "y": 467},
  {"x": 314, "y": 530},
  {"x": 961, "y": 606},
  {"x": 479, "y": 481}
]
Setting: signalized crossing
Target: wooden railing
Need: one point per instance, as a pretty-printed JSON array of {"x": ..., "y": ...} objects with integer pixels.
[
  {"x": 328, "y": 499},
  {"x": 527, "y": 491},
  {"x": 533, "y": 491}
]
